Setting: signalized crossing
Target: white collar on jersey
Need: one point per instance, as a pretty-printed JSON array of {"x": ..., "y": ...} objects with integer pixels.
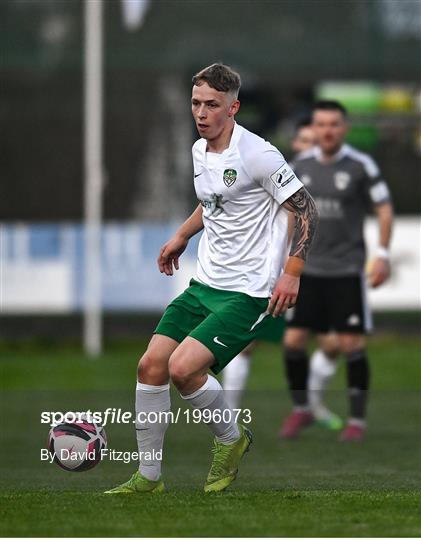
[
  {"x": 235, "y": 136},
  {"x": 341, "y": 153}
]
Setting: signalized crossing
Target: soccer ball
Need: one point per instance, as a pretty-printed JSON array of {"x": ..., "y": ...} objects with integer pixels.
[{"x": 77, "y": 445}]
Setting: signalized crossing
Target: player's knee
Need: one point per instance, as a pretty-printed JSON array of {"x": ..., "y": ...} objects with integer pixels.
[
  {"x": 351, "y": 343},
  {"x": 179, "y": 370},
  {"x": 330, "y": 346},
  {"x": 332, "y": 352},
  {"x": 152, "y": 370},
  {"x": 295, "y": 339}
]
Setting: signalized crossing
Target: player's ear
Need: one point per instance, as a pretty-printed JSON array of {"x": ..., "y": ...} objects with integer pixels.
[{"x": 234, "y": 108}]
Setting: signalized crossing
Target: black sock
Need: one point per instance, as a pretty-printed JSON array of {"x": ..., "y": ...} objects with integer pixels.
[
  {"x": 358, "y": 375},
  {"x": 296, "y": 366}
]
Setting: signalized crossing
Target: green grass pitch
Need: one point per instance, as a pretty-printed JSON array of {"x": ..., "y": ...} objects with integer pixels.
[{"x": 314, "y": 486}]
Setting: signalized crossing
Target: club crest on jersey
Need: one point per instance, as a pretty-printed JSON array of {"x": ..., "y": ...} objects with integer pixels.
[
  {"x": 341, "y": 179},
  {"x": 230, "y": 176}
]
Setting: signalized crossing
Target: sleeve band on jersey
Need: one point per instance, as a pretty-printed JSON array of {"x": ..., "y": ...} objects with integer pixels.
[{"x": 379, "y": 193}]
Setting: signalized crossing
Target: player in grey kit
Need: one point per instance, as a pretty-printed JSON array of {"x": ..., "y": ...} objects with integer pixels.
[{"x": 344, "y": 183}]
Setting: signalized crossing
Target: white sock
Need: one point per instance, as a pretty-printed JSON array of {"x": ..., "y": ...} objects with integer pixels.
[
  {"x": 234, "y": 379},
  {"x": 322, "y": 370},
  {"x": 357, "y": 422},
  {"x": 302, "y": 408},
  {"x": 150, "y": 432},
  {"x": 210, "y": 397}
]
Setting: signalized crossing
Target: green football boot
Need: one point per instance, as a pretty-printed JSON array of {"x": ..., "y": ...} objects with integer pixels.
[
  {"x": 226, "y": 458},
  {"x": 138, "y": 484},
  {"x": 330, "y": 421}
]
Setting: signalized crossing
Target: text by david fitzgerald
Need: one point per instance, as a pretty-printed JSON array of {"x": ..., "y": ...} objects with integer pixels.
[{"x": 65, "y": 454}]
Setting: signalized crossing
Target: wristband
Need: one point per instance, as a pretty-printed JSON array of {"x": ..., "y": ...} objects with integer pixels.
[
  {"x": 382, "y": 253},
  {"x": 294, "y": 266}
]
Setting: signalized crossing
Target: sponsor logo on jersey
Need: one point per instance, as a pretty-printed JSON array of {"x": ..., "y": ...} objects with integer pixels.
[
  {"x": 230, "y": 176},
  {"x": 342, "y": 180},
  {"x": 329, "y": 208},
  {"x": 283, "y": 176},
  {"x": 213, "y": 206}
]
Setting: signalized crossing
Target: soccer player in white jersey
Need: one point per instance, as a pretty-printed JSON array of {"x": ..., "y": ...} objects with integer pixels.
[
  {"x": 235, "y": 374},
  {"x": 244, "y": 275}
]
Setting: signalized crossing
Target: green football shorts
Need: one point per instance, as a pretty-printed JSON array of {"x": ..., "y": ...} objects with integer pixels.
[
  {"x": 274, "y": 330},
  {"x": 224, "y": 321}
]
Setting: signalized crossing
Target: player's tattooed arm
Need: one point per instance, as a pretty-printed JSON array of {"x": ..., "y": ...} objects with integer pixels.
[
  {"x": 285, "y": 292},
  {"x": 302, "y": 205}
]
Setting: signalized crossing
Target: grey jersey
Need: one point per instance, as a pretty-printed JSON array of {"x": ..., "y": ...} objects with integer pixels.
[{"x": 344, "y": 190}]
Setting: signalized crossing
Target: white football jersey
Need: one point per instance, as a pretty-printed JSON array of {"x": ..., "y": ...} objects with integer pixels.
[{"x": 245, "y": 239}]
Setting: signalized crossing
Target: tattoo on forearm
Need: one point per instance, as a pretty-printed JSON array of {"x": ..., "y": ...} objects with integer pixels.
[{"x": 306, "y": 218}]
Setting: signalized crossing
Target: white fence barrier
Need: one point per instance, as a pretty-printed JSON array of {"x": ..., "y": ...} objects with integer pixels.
[{"x": 42, "y": 267}]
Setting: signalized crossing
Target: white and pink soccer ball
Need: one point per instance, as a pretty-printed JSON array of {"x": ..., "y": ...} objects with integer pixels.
[{"x": 77, "y": 445}]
